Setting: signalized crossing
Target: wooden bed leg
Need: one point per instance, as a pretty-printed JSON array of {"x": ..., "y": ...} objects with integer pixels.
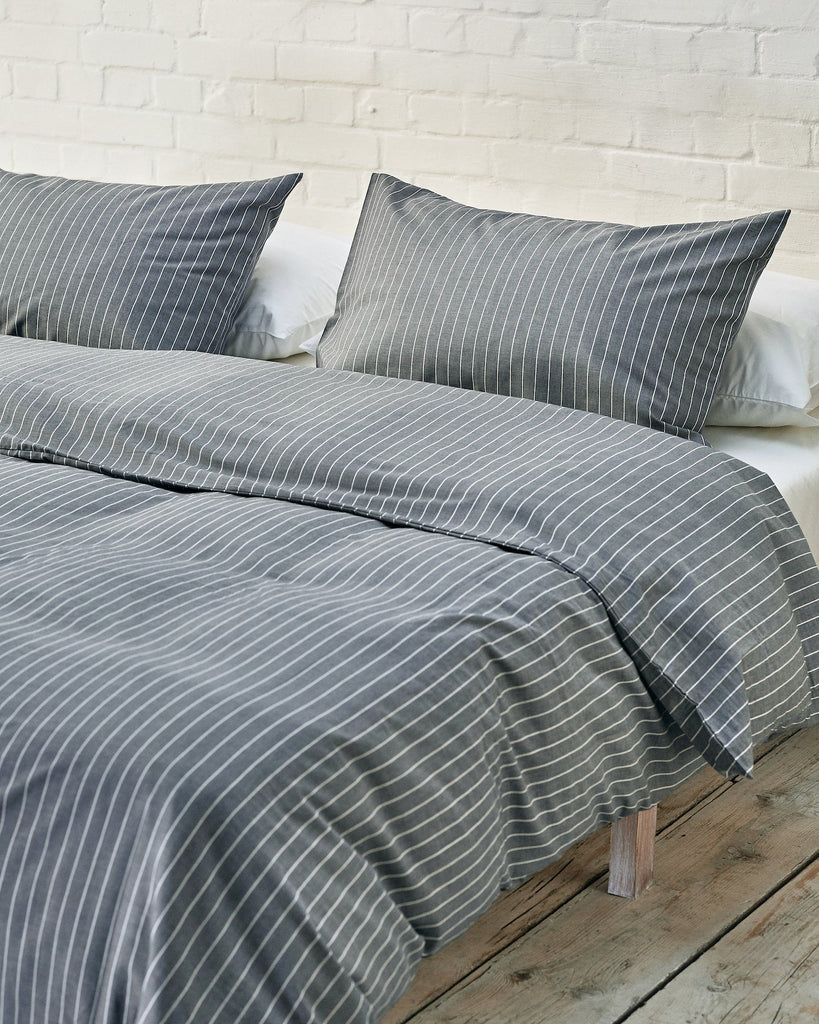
[{"x": 631, "y": 865}]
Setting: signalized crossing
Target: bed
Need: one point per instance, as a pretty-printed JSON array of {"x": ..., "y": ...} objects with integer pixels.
[{"x": 302, "y": 665}]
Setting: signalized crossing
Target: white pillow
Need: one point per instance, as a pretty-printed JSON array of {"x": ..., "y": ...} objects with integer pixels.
[
  {"x": 292, "y": 293},
  {"x": 770, "y": 377}
]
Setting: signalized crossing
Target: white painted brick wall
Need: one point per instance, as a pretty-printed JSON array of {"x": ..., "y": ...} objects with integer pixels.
[{"x": 632, "y": 110}]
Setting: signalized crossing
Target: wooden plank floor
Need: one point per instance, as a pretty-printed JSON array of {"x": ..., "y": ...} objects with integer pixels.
[{"x": 728, "y": 934}]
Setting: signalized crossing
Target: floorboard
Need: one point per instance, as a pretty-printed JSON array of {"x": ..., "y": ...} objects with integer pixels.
[{"x": 735, "y": 873}]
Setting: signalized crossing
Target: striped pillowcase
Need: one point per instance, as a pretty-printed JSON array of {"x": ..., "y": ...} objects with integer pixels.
[
  {"x": 630, "y": 322},
  {"x": 130, "y": 266}
]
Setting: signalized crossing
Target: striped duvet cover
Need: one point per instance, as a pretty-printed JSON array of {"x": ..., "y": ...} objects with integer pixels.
[{"x": 298, "y": 667}]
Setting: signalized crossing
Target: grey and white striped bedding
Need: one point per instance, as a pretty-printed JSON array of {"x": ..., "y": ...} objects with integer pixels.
[{"x": 299, "y": 666}]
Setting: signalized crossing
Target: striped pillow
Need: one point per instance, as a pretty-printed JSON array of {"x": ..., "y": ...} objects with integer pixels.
[
  {"x": 130, "y": 266},
  {"x": 631, "y": 322}
]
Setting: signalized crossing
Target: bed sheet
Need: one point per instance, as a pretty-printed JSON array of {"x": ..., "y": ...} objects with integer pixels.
[{"x": 790, "y": 457}]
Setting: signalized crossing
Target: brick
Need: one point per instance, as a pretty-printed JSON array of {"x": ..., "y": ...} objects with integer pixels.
[
  {"x": 329, "y": 104},
  {"x": 335, "y": 188},
  {"x": 226, "y": 58},
  {"x": 279, "y": 22},
  {"x": 517, "y": 6},
  {"x": 486, "y": 34},
  {"x": 414, "y": 70},
  {"x": 542, "y": 162},
  {"x": 59, "y": 12},
  {"x": 667, "y": 175},
  {"x": 788, "y": 99},
  {"x": 41, "y": 11},
  {"x": 461, "y": 5},
  {"x": 574, "y": 8},
  {"x": 436, "y": 115},
  {"x": 789, "y": 53},
  {"x": 77, "y": 83},
  {"x": 109, "y": 47},
  {"x": 605, "y": 125},
  {"x": 765, "y": 14},
  {"x": 233, "y": 20},
  {"x": 20, "y": 116},
  {"x": 550, "y": 38},
  {"x": 801, "y": 233},
  {"x": 6, "y": 153},
  {"x": 724, "y": 52},
  {"x": 692, "y": 12},
  {"x": 523, "y": 78},
  {"x": 663, "y": 49},
  {"x": 438, "y": 31},
  {"x": 179, "y": 18},
  {"x": 127, "y": 13},
  {"x": 722, "y": 136},
  {"x": 546, "y": 119},
  {"x": 687, "y": 94},
  {"x": 573, "y": 83},
  {"x": 35, "y": 80},
  {"x": 615, "y": 209},
  {"x": 494, "y": 119},
  {"x": 327, "y": 145},
  {"x": 82, "y": 160},
  {"x": 602, "y": 42},
  {"x": 231, "y": 99},
  {"x": 328, "y": 218},
  {"x": 126, "y": 88},
  {"x": 382, "y": 108},
  {"x": 328, "y": 22},
  {"x": 487, "y": 195},
  {"x": 724, "y": 210},
  {"x": 271, "y": 168},
  {"x": 786, "y": 143},
  {"x": 382, "y": 26},
  {"x": 40, "y": 42},
  {"x": 340, "y": 65},
  {"x": 419, "y": 154},
  {"x": 278, "y": 102},
  {"x": 664, "y": 130},
  {"x": 178, "y": 167},
  {"x": 254, "y": 138},
  {"x": 668, "y": 208},
  {"x": 177, "y": 93},
  {"x": 230, "y": 168},
  {"x": 129, "y": 164},
  {"x": 75, "y": 12},
  {"x": 41, "y": 156},
  {"x": 134, "y": 127},
  {"x": 768, "y": 188},
  {"x": 5, "y": 79}
]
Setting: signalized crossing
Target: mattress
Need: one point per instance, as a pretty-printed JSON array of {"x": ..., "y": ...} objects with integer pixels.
[{"x": 790, "y": 457}]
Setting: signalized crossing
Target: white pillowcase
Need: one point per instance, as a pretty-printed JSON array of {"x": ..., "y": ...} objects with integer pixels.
[
  {"x": 292, "y": 293},
  {"x": 770, "y": 377}
]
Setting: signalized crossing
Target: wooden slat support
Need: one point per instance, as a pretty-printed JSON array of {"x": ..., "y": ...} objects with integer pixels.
[{"x": 631, "y": 865}]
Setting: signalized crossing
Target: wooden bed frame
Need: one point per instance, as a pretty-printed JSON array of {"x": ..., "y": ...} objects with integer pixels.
[{"x": 631, "y": 858}]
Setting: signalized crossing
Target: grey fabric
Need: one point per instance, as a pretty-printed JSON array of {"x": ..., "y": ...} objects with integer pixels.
[
  {"x": 630, "y": 322},
  {"x": 301, "y": 666},
  {"x": 130, "y": 266}
]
